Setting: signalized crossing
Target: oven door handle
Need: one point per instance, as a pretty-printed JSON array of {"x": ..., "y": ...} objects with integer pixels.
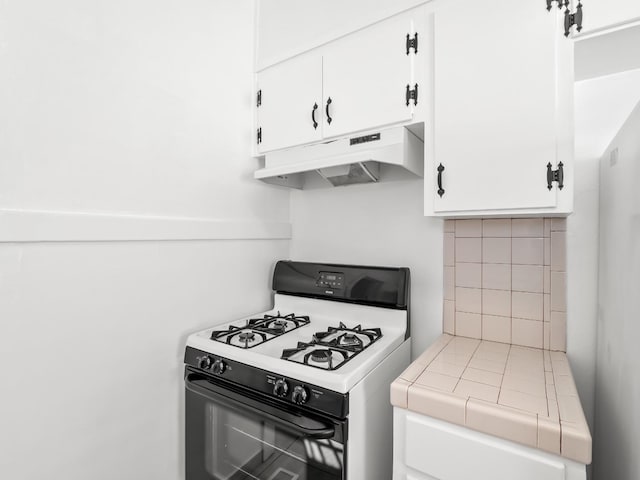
[{"x": 307, "y": 426}]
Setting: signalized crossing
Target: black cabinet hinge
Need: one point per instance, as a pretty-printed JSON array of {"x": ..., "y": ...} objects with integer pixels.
[
  {"x": 571, "y": 19},
  {"x": 555, "y": 176},
  {"x": 560, "y": 4},
  {"x": 412, "y": 43},
  {"x": 412, "y": 94},
  {"x": 259, "y": 136},
  {"x": 259, "y": 98}
]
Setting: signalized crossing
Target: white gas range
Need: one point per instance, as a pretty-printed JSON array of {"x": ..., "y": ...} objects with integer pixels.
[{"x": 301, "y": 391}]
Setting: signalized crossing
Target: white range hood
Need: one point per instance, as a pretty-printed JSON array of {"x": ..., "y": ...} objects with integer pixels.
[{"x": 360, "y": 158}]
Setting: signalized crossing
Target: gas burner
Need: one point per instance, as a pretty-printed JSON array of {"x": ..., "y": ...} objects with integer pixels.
[
  {"x": 256, "y": 331},
  {"x": 355, "y": 338},
  {"x": 350, "y": 339},
  {"x": 321, "y": 355},
  {"x": 247, "y": 336}
]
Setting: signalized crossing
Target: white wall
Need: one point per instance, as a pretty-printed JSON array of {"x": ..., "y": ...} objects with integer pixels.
[
  {"x": 582, "y": 282},
  {"x": 602, "y": 105},
  {"x": 128, "y": 219},
  {"x": 92, "y": 345},
  {"x": 136, "y": 106},
  {"x": 376, "y": 224},
  {"x": 617, "y": 429}
]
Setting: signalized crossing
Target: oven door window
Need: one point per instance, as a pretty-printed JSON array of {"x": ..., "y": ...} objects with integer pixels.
[{"x": 228, "y": 442}]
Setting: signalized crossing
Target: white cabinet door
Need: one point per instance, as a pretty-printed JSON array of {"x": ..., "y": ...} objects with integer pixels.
[
  {"x": 289, "y": 91},
  {"x": 497, "y": 119},
  {"x": 366, "y": 75},
  {"x": 600, "y": 14}
]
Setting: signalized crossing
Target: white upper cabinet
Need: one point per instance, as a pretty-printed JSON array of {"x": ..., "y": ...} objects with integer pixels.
[
  {"x": 503, "y": 97},
  {"x": 366, "y": 75},
  {"x": 605, "y": 14},
  {"x": 289, "y": 103},
  {"x": 362, "y": 81}
]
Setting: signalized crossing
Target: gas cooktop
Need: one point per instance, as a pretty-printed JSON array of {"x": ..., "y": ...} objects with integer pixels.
[{"x": 327, "y": 350}]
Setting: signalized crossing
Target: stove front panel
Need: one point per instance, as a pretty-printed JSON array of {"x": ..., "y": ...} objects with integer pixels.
[{"x": 286, "y": 390}]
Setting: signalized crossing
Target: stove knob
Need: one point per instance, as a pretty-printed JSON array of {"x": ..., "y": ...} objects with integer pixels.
[
  {"x": 204, "y": 362},
  {"x": 299, "y": 395},
  {"x": 219, "y": 367},
  {"x": 281, "y": 388}
]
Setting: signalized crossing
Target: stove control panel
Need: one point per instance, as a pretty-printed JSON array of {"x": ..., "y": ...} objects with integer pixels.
[
  {"x": 284, "y": 389},
  {"x": 333, "y": 280}
]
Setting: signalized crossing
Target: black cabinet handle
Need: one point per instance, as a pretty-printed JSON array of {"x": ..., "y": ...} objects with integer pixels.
[
  {"x": 313, "y": 115},
  {"x": 440, "y": 189},
  {"x": 326, "y": 110}
]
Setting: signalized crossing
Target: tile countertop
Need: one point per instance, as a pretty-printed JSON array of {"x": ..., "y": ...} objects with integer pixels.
[{"x": 522, "y": 394}]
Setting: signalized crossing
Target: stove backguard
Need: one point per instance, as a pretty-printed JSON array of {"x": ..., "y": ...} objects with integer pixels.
[{"x": 387, "y": 287}]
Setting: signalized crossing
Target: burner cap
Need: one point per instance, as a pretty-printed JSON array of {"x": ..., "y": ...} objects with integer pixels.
[
  {"x": 279, "y": 323},
  {"x": 247, "y": 336},
  {"x": 321, "y": 355},
  {"x": 349, "y": 339}
]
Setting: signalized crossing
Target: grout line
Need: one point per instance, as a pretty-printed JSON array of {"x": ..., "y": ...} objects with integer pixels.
[
  {"x": 511, "y": 293},
  {"x": 481, "y": 282}
]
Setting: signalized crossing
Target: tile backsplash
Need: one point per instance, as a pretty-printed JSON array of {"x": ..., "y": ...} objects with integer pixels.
[{"x": 505, "y": 280}]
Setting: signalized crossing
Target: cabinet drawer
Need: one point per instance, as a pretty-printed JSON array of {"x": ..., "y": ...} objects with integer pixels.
[{"x": 448, "y": 452}]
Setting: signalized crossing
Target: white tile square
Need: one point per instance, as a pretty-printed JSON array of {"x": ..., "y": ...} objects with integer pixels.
[
  {"x": 547, "y": 279},
  {"x": 527, "y": 227},
  {"x": 496, "y": 250},
  {"x": 559, "y": 251},
  {"x": 527, "y": 305},
  {"x": 527, "y": 251},
  {"x": 547, "y": 251},
  {"x": 449, "y": 249},
  {"x": 498, "y": 227},
  {"x": 468, "y": 300},
  {"x": 558, "y": 337},
  {"x": 527, "y": 278},
  {"x": 558, "y": 292},
  {"x": 528, "y": 333},
  {"x": 469, "y": 324},
  {"x": 449, "y": 317},
  {"x": 496, "y": 329},
  {"x": 450, "y": 226},
  {"x": 469, "y": 228},
  {"x": 469, "y": 275},
  {"x": 496, "y": 302},
  {"x": 468, "y": 250},
  {"x": 496, "y": 276},
  {"x": 449, "y": 283},
  {"x": 558, "y": 224},
  {"x": 546, "y": 307}
]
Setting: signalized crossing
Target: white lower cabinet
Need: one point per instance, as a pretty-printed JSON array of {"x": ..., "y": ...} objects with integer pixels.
[{"x": 429, "y": 449}]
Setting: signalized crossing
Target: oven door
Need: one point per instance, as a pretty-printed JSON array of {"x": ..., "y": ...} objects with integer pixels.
[{"x": 231, "y": 435}]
